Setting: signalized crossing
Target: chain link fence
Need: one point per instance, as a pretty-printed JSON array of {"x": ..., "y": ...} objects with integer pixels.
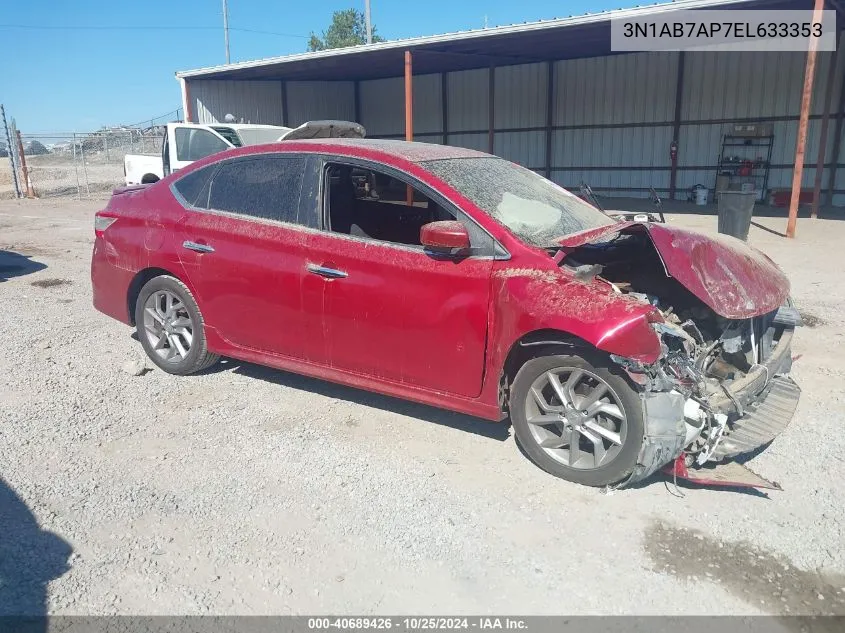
[{"x": 76, "y": 164}]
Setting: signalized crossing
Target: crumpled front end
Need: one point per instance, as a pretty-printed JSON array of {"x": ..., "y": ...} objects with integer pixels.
[
  {"x": 711, "y": 398},
  {"x": 720, "y": 387}
]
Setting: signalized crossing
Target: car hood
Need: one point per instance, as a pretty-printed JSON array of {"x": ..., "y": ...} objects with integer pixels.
[
  {"x": 325, "y": 129},
  {"x": 733, "y": 279}
]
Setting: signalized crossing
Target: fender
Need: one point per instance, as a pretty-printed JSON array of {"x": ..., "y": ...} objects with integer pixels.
[{"x": 527, "y": 300}]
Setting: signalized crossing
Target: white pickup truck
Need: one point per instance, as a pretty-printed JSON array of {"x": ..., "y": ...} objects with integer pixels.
[{"x": 185, "y": 143}]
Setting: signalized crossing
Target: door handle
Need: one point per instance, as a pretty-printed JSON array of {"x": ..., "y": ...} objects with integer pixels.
[
  {"x": 199, "y": 248},
  {"x": 329, "y": 273}
]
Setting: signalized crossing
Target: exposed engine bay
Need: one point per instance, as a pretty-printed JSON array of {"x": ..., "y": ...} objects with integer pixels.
[{"x": 724, "y": 378}]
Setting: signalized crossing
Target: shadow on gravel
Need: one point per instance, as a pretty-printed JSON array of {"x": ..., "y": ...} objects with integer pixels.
[
  {"x": 14, "y": 264},
  {"x": 469, "y": 424},
  {"x": 29, "y": 559},
  {"x": 766, "y": 580}
]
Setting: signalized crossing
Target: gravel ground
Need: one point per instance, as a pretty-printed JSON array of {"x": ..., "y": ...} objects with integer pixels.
[{"x": 253, "y": 491}]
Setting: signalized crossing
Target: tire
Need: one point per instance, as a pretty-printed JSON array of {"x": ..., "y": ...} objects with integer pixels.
[
  {"x": 174, "y": 309},
  {"x": 552, "y": 426}
]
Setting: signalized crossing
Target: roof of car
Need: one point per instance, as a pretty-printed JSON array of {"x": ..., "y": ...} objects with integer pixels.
[{"x": 411, "y": 151}]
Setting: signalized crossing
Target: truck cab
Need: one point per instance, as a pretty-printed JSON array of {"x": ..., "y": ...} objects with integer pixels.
[{"x": 185, "y": 143}]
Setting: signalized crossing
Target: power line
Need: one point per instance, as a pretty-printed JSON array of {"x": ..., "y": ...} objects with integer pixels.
[
  {"x": 149, "y": 119},
  {"x": 136, "y": 27}
]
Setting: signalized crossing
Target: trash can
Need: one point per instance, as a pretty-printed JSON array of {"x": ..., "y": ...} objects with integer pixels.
[{"x": 735, "y": 211}]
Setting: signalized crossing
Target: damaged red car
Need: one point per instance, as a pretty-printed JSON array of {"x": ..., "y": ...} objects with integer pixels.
[{"x": 457, "y": 279}]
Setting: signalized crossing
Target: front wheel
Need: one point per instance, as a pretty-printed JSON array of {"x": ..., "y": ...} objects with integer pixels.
[
  {"x": 171, "y": 328},
  {"x": 577, "y": 419}
]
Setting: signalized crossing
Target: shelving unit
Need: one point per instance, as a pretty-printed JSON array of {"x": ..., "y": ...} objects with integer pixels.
[{"x": 746, "y": 159}]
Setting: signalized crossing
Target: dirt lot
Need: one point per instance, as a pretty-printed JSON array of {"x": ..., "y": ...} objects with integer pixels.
[{"x": 249, "y": 490}]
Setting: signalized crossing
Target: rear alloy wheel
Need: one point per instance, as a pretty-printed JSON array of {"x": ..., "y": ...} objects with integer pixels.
[
  {"x": 170, "y": 327},
  {"x": 578, "y": 420}
]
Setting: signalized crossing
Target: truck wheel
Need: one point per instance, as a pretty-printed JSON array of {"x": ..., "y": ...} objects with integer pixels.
[
  {"x": 149, "y": 179},
  {"x": 171, "y": 328},
  {"x": 578, "y": 419}
]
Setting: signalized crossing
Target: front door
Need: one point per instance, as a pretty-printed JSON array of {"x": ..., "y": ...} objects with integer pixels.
[
  {"x": 189, "y": 143},
  {"x": 390, "y": 310},
  {"x": 243, "y": 249}
]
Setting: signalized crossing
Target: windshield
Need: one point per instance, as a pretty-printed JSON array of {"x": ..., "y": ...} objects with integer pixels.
[
  {"x": 260, "y": 135},
  {"x": 535, "y": 209}
]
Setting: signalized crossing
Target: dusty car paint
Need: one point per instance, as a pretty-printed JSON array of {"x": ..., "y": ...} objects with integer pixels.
[{"x": 404, "y": 323}]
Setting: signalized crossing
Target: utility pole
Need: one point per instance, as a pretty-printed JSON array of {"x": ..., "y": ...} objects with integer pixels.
[
  {"x": 368, "y": 21},
  {"x": 226, "y": 27}
]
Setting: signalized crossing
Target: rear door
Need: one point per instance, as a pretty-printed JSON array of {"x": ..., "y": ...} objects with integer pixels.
[
  {"x": 243, "y": 247},
  {"x": 393, "y": 311}
]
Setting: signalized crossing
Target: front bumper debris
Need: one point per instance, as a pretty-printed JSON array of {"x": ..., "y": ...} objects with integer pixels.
[
  {"x": 759, "y": 407},
  {"x": 763, "y": 420},
  {"x": 753, "y": 412},
  {"x": 663, "y": 413},
  {"x": 729, "y": 475}
]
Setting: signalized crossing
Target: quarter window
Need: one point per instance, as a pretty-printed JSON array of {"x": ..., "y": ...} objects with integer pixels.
[
  {"x": 265, "y": 187},
  {"x": 191, "y": 185}
]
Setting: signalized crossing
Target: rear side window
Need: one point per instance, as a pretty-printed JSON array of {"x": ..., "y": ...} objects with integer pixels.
[
  {"x": 229, "y": 134},
  {"x": 264, "y": 187},
  {"x": 191, "y": 186},
  {"x": 196, "y": 143}
]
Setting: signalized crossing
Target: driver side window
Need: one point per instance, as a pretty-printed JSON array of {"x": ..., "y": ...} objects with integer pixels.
[{"x": 371, "y": 204}]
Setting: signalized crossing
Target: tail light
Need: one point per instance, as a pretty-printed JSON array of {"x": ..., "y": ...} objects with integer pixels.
[{"x": 101, "y": 223}]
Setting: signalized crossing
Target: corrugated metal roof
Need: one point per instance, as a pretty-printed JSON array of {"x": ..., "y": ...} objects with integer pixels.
[{"x": 466, "y": 49}]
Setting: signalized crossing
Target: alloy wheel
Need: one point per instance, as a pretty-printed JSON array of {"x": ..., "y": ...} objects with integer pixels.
[
  {"x": 576, "y": 418},
  {"x": 168, "y": 326}
]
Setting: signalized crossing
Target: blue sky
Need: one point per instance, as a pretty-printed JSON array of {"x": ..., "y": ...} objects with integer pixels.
[{"x": 66, "y": 76}]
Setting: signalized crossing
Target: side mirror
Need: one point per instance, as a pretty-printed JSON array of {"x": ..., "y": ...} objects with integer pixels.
[{"x": 444, "y": 236}]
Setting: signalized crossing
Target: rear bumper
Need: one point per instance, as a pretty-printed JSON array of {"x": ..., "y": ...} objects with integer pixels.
[{"x": 109, "y": 283}]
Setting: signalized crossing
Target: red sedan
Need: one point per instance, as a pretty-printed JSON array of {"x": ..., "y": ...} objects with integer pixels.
[{"x": 460, "y": 280}]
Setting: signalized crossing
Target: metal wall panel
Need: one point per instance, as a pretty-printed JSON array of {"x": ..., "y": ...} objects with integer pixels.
[
  {"x": 612, "y": 147},
  {"x": 252, "y": 101},
  {"x": 634, "y": 88},
  {"x": 469, "y": 97},
  {"x": 383, "y": 105},
  {"x": 520, "y": 96},
  {"x": 526, "y": 148},
  {"x": 749, "y": 85},
  {"x": 315, "y": 100},
  {"x": 620, "y": 183},
  {"x": 470, "y": 141}
]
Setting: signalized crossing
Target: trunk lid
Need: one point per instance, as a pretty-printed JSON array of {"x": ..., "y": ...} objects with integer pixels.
[{"x": 733, "y": 279}]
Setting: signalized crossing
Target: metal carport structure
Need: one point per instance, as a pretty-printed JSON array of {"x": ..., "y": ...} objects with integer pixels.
[{"x": 552, "y": 96}]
